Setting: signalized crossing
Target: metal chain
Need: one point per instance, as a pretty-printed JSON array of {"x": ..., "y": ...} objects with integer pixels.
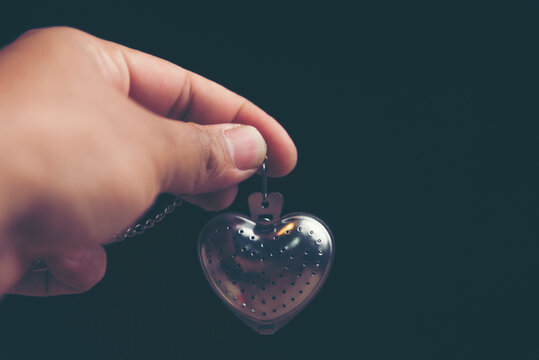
[
  {"x": 141, "y": 228},
  {"x": 138, "y": 229}
]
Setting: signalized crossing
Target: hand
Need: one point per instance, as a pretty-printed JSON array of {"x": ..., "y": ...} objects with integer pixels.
[{"x": 89, "y": 135}]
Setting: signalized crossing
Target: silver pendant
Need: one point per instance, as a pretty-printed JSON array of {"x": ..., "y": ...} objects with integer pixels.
[{"x": 266, "y": 268}]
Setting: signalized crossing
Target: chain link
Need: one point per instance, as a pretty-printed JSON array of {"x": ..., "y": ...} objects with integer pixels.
[{"x": 141, "y": 228}]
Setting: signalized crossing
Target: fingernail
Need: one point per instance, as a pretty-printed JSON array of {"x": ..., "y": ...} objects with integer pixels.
[{"x": 247, "y": 147}]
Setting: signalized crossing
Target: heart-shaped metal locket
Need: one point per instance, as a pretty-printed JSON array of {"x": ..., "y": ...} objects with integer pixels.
[{"x": 267, "y": 268}]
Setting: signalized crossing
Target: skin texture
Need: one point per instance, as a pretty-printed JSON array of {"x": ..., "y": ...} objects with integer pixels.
[{"x": 91, "y": 132}]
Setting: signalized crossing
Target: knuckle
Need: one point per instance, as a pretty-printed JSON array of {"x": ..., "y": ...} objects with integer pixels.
[
  {"x": 57, "y": 42},
  {"x": 54, "y": 32},
  {"x": 211, "y": 154},
  {"x": 200, "y": 164},
  {"x": 33, "y": 32}
]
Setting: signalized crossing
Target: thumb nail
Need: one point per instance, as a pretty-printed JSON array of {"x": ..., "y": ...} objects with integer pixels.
[{"x": 247, "y": 147}]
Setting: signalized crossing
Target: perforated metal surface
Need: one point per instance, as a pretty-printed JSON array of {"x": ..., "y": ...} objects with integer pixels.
[{"x": 266, "y": 271}]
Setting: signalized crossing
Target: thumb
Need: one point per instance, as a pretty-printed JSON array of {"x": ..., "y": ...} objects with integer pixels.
[{"x": 207, "y": 158}]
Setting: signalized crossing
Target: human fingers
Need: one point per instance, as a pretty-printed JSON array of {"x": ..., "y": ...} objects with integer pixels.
[
  {"x": 71, "y": 273},
  {"x": 12, "y": 266},
  {"x": 167, "y": 89},
  {"x": 177, "y": 93},
  {"x": 215, "y": 201},
  {"x": 194, "y": 159}
]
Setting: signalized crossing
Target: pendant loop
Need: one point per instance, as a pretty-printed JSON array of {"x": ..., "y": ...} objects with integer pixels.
[
  {"x": 264, "y": 174},
  {"x": 270, "y": 212}
]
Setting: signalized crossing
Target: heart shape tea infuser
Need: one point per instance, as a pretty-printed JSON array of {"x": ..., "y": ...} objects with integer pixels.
[{"x": 266, "y": 268}]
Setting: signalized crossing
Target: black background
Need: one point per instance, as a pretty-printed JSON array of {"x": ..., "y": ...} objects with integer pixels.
[{"x": 418, "y": 145}]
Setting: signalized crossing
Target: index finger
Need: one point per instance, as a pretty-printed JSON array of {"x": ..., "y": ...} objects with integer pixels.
[{"x": 174, "y": 92}]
